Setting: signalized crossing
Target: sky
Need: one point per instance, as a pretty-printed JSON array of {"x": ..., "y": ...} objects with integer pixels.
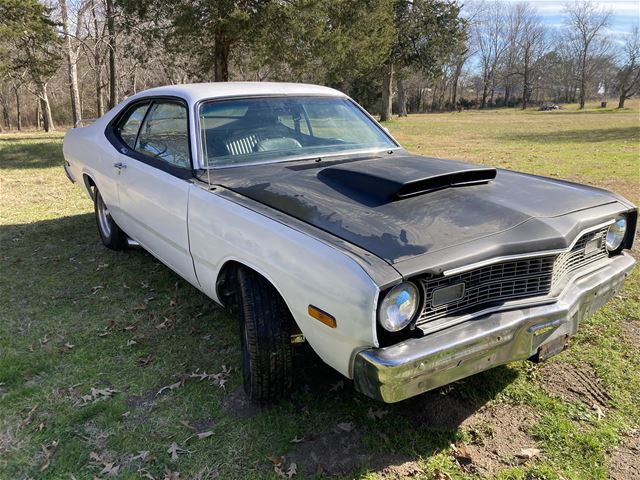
[{"x": 626, "y": 13}]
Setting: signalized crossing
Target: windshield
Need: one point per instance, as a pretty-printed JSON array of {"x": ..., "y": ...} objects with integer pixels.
[{"x": 255, "y": 130}]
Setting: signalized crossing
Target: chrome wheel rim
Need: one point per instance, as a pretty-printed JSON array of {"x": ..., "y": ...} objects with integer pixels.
[{"x": 104, "y": 218}]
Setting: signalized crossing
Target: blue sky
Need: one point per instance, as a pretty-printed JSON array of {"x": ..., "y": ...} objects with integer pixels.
[{"x": 626, "y": 13}]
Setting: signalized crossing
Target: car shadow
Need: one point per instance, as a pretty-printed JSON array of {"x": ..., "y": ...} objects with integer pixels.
[
  {"x": 596, "y": 135},
  {"x": 340, "y": 432}
]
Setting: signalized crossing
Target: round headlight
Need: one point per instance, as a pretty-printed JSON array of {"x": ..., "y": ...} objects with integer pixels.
[
  {"x": 399, "y": 306},
  {"x": 615, "y": 234}
]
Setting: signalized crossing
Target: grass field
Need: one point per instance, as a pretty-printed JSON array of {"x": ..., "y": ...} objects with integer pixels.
[{"x": 90, "y": 338}]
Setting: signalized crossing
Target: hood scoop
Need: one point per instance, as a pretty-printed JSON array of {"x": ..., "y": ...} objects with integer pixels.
[{"x": 378, "y": 182}]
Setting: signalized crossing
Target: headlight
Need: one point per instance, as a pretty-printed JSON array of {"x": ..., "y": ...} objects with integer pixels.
[
  {"x": 399, "y": 306},
  {"x": 615, "y": 234}
]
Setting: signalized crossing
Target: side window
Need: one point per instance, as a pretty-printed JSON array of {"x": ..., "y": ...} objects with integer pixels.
[
  {"x": 164, "y": 134},
  {"x": 128, "y": 129}
]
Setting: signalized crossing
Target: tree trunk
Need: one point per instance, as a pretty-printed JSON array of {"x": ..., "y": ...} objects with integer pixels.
[
  {"x": 99, "y": 100},
  {"x": 221, "y": 58},
  {"x": 16, "y": 91},
  {"x": 621, "y": 101},
  {"x": 485, "y": 91},
  {"x": 5, "y": 112},
  {"x": 46, "y": 109},
  {"x": 113, "y": 77},
  {"x": 402, "y": 99},
  {"x": 72, "y": 66},
  {"x": 38, "y": 114},
  {"x": 525, "y": 87},
  {"x": 387, "y": 97},
  {"x": 583, "y": 80}
]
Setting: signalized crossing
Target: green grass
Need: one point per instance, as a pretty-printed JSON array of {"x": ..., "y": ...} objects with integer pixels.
[{"x": 59, "y": 286}]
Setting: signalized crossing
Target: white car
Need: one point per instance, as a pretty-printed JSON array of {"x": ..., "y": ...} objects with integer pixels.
[{"x": 291, "y": 203}]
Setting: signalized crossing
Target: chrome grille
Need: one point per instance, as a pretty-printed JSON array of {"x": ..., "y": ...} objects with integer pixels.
[
  {"x": 512, "y": 280},
  {"x": 580, "y": 256}
]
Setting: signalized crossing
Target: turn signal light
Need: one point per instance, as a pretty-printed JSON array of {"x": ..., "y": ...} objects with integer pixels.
[{"x": 323, "y": 317}]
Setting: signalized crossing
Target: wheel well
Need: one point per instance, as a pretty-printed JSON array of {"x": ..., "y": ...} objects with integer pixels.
[
  {"x": 89, "y": 184},
  {"x": 226, "y": 288}
]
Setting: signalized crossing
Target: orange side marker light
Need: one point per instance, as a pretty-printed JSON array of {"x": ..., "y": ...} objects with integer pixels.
[{"x": 324, "y": 317}]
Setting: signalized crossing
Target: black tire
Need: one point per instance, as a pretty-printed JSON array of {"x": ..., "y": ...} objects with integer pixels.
[
  {"x": 110, "y": 233},
  {"x": 265, "y": 333}
]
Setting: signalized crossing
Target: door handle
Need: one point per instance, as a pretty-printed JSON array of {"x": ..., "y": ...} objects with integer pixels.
[{"x": 120, "y": 165}]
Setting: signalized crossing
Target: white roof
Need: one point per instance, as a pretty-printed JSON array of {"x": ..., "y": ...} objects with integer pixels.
[{"x": 193, "y": 92}]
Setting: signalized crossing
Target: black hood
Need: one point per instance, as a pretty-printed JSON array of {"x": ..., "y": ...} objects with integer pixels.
[{"x": 399, "y": 206}]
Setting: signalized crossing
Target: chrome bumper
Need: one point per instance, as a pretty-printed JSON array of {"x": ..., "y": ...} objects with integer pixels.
[{"x": 415, "y": 366}]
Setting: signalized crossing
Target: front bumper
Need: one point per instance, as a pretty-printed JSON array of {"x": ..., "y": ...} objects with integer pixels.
[{"x": 417, "y": 365}]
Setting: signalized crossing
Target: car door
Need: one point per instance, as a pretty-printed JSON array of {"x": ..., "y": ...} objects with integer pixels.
[{"x": 153, "y": 183}]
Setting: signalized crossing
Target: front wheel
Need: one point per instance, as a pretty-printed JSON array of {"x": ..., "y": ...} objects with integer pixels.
[
  {"x": 265, "y": 333},
  {"x": 111, "y": 235}
]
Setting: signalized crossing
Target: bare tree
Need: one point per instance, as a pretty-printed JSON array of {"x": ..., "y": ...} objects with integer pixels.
[
  {"x": 628, "y": 77},
  {"x": 490, "y": 37},
  {"x": 530, "y": 41},
  {"x": 72, "y": 51},
  {"x": 586, "y": 21}
]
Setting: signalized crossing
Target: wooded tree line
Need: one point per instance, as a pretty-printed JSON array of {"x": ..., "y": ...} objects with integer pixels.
[{"x": 65, "y": 60}]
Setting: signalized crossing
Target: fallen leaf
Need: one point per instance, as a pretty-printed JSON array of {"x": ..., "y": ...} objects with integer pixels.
[
  {"x": 599, "y": 411},
  {"x": 129, "y": 328},
  {"x": 146, "y": 361},
  {"x": 337, "y": 386},
  {"x": 131, "y": 342},
  {"x": 173, "y": 386},
  {"x": 95, "y": 289},
  {"x": 67, "y": 347},
  {"x": 204, "y": 435},
  {"x": 345, "y": 426},
  {"x": 297, "y": 440},
  {"x": 110, "y": 469},
  {"x": 48, "y": 452},
  {"x": 142, "y": 455},
  {"x": 169, "y": 475},
  {"x": 440, "y": 475},
  {"x": 175, "y": 450},
  {"x": 175, "y": 301},
  {"x": 139, "y": 306},
  {"x": 95, "y": 395},
  {"x": 28, "y": 418},
  {"x": 292, "y": 470},
  {"x": 527, "y": 454},
  {"x": 461, "y": 454}
]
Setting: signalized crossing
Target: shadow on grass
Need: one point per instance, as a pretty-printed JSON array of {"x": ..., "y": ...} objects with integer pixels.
[
  {"x": 595, "y": 135},
  {"x": 338, "y": 427},
  {"x": 24, "y": 156}
]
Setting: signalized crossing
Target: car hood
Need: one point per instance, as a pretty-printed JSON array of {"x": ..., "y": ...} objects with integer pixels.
[{"x": 398, "y": 206}]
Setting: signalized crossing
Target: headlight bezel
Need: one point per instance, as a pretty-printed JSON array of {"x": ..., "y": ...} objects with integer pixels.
[
  {"x": 616, "y": 234},
  {"x": 382, "y": 316}
]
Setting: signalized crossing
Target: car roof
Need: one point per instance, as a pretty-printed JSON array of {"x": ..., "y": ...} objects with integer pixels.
[{"x": 194, "y": 92}]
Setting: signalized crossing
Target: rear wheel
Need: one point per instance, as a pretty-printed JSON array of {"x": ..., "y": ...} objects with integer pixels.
[
  {"x": 265, "y": 333},
  {"x": 111, "y": 235}
]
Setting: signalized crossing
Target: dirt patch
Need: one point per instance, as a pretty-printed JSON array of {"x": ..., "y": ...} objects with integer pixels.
[
  {"x": 238, "y": 405},
  {"x": 145, "y": 401},
  {"x": 631, "y": 332},
  {"x": 438, "y": 411},
  {"x": 500, "y": 434},
  {"x": 574, "y": 384},
  {"x": 625, "y": 459},
  {"x": 403, "y": 470},
  {"x": 341, "y": 452}
]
